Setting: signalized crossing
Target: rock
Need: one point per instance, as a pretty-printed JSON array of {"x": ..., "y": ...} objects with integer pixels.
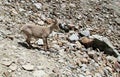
[
  {"x": 42, "y": 17},
  {"x": 71, "y": 26},
  {"x": 118, "y": 58},
  {"x": 85, "y": 33},
  {"x": 84, "y": 60},
  {"x": 117, "y": 66},
  {"x": 13, "y": 67},
  {"x": 73, "y": 37},
  {"x": 103, "y": 44},
  {"x": 40, "y": 42},
  {"x": 55, "y": 46},
  {"x": 109, "y": 69},
  {"x": 117, "y": 20},
  {"x": 39, "y": 73},
  {"x": 91, "y": 53},
  {"x": 28, "y": 67},
  {"x": 64, "y": 27},
  {"x": 6, "y": 62},
  {"x": 78, "y": 44},
  {"x": 84, "y": 67},
  {"x": 38, "y": 5},
  {"x": 40, "y": 22},
  {"x": 81, "y": 75},
  {"x": 72, "y": 5},
  {"x": 111, "y": 58},
  {"x": 98, "y": 75},
  {"x": 87, "y": 42},
  {"x": 56, "y": 70}
]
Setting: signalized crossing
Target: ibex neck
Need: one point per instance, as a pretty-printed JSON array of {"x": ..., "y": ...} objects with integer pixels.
[{"x": 52, "y": 26}]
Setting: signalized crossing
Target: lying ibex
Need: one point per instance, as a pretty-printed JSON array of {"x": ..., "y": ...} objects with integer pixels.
[{"x": 39, "y": 32}]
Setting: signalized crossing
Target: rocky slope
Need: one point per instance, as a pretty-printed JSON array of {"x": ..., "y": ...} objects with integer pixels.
[{"x": 67, "y": 56}]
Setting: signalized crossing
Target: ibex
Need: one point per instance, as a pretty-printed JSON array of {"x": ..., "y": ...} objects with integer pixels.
[{"x": 37, "y": 31}]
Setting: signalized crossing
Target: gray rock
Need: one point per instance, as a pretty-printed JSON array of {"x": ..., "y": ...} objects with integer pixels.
[
  {"x": 6, "y": 61},
  {"x": 85, "y": 33},
  {"x": 13, "y": 67},
  {"x": 73, "y": 37},
  {"x": 118, "y": 58},
  {"x": 38, "y": 5},
  {"x": 72, "y": 5},
  {"x": 104, "y": 44},
  {"x": 40, "y": 22},
  {"x": 40, "y": 42},
  {"x": 81, "y": 75},
  {"x": 28, "y": 67},
  {"x": 98, "y": 75},
  {"x": 91, "y": 53}
]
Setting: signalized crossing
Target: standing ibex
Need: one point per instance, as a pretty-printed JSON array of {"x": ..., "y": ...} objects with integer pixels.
[{"x": 39, "y": 32}]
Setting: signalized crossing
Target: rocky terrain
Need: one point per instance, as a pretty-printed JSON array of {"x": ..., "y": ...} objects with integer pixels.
[{"x": 67, "y": 56}]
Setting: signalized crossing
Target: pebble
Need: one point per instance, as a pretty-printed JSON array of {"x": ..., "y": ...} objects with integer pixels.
[
  {"x": 84, "y": 60},
  {"x": 73, "y": 37},
  {"x": 81, "y": 75},
  {"x": 85, "y": 33},
  {"x": 6, "y": 62},
  {"x": 38, "y": 5},
  {"x": 28, "y": 67},
  {"x": 91, "y": 53},
  {"x": 98, "y": 75},
  {"x": 41, "y": 23},
  {"x": 13, "y": 67},
  {"x": 40, "y": 42}
]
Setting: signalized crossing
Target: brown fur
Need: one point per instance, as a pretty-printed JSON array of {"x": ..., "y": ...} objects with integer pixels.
[{"x": 31, "y": 30}]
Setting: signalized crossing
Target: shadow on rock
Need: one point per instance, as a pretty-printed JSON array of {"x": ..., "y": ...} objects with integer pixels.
[{"x": 26, "y": 46}]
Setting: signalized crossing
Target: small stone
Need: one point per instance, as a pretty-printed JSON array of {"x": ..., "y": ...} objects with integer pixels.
[
  {"x": 85, "y": 33},
  {"x": 38, "y": 5},
  {"x": 83, "y": 67},
  {"x": 98, "y": 75},
  {"x": 118, "y": 58},
  {"x": 73, "y": 37},
  {"x": 13, "y": 67},
  {"x": 71, "y": 26},
  {"x": 55, "y": 70},
  {"x": 43, "y": 17},
  {"x": 55, "y": 46},
  {"x": 14, "y": 11},
  {"x": 84, "y": 60},
  {"x": 78, "y": 44},
  {"x": 39, "y": 73},
  {"x": 6, "y": 62},
  {"x": 81, "y": 75},
  {"x": 40, "y": 42},
  {"x": 109, "y": 69},
  {"x": 111, "y": 58},
  {"x": 40, "y": 22},
  {"x": 28, "y": 67},
  {"x": 78, "y": 62},
  {"x": 91, "y": 53},
  {"x": 72, "y": 5}
]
